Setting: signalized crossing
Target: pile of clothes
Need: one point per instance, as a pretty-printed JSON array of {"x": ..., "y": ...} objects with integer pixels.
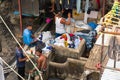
[
  {"x": 89, "y": 36},
  {"x": 68, "y": 40},
  {"x": 65, "y": 40}
]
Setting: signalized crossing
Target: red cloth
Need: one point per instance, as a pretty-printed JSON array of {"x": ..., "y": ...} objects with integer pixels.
[
  {"x": 81, "y": 38},
  {"x": 98, "y": 66},
  {"x": 98, "y": 2},
  {"x": 71, "y": 35}
]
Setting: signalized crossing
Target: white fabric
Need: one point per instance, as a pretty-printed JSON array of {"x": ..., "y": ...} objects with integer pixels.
[
  {"x": 81, "y": 24},
  {"x": 98, "y": 28},
  {"x": 77, "y": 42},
  {"x": 70, "y": 28},
  {"x": 93, "y": 14},
  {"x": 46, "y": 36},
  {"x": 59, "y": 42},
  {"x": 85, "y": 17},
  {"x": 1, "y": 70},
  {"x": 87, "y": 5},
  {"x": 59, "y": 27}
]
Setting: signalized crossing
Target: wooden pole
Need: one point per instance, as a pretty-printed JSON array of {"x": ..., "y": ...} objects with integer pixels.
[
  {"x": 103, "y": 8},
  {"x": 114, "y": 53},
  {"x": 111, "y": 68},
  {"x": 102, "y": 51},
  {"x": 20, "y": 11},
  {"x": 112, "y": 33}
]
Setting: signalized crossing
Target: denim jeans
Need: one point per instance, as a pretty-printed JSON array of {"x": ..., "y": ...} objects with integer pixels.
[
  {"x": 41, "y": 4},
  {"x": 66, "y": 4},
  {"x": 21, "y": 71},
  {"x": 58, "y": 6},
  {"x": 57, "y": 35}
]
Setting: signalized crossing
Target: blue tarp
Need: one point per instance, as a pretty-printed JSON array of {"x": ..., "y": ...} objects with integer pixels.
[
  {"x": 92, "y": 25},
  {"x": 17, "y": 13}
]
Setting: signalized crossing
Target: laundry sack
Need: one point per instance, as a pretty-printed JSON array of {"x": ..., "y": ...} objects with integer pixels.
[
  {"x": 46, "y": 36},
  {"x": 82, "y": 25}
]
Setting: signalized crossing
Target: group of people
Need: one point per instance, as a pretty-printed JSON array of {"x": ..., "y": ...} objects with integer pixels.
[
  {"x": 21, "y": 59},
  {"x": 30, "y": 40}
]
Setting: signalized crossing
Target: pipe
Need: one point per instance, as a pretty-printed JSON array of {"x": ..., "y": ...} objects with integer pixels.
[
  {"x": 103, "y": 7},
  {"x": 20, "y": 11},
  {"x": 112, "y": 33},
  {"x": 111, "y": 68},
  {"x": 101, "y": 58}
]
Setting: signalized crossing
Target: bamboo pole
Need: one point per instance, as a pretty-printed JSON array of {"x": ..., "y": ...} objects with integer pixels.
[
  {"x": 111, "y": 68},
  {"x": 113, "y": 33}
]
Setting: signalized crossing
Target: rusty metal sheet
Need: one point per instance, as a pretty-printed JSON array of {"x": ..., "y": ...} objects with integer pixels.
[{"x": 30, "y": 7}]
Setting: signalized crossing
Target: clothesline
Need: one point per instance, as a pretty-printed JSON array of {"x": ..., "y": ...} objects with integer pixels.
[{"x": 11, "y": 68}]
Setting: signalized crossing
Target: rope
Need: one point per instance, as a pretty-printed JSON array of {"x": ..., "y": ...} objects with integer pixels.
[
  {"x": 7, "y": 69},
  {"x": 11, "y": 69},
  {"x": 29, "y": 76},
  {"x": 22, "y": 48}
]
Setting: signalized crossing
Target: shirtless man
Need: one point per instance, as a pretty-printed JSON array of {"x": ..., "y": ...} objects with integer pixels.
[{"x": 41, "y": 61}]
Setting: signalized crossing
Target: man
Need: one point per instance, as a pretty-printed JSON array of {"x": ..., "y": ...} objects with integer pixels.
[
  {"x": 60, "y": 22},
  {"x": 41, "y": 62},
  {"x": 20, "y": 61},
  {"x": 28, "y": 37}
]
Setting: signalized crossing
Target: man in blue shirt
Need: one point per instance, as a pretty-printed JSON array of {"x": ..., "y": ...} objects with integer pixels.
[
  {"x": 20, "y": 61},
  {"x": 28, "y": 37}
]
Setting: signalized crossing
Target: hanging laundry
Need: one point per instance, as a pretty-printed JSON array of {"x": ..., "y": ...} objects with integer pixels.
[
  {"x": 68, "y": 7},
  {"x": 41, "y": 4},
  {"x": 58, "y": 5},
  {"x": 68, "y": 4},
  {"x": 86, "y": 5},
  {"x": 63, "y": 4},
  {"x": 78, "y": 6},
  {"x": 98, "y": 2},
  {"x": 60, "y": 2},
  {"x": 68, "y": 1}
]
